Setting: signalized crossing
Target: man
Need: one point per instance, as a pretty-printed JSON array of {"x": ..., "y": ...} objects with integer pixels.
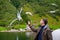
[{"x": 43, "y": 33}]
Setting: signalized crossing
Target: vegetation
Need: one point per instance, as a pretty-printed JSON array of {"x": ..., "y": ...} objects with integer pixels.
[
  {"x": 3, "y": 28},
  {"x": 39, "y": 9}
]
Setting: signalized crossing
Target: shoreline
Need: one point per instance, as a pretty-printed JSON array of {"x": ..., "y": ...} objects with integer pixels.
[{"x": 14, "y": 30}]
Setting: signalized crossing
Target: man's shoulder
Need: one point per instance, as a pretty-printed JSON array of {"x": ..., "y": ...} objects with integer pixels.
[{"x": 48, "y": 29}]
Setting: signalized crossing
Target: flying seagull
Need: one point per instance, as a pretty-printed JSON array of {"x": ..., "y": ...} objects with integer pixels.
[
  {"x": 19, "y": 15},
  {"x": 29, "y": 13}
]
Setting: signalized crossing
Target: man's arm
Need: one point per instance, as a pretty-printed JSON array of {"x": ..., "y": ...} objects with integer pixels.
[{"x": 33, "y": 29}]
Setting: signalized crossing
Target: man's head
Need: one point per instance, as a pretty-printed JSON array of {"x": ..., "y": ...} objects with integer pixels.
[{"x": 43, "y": 22}]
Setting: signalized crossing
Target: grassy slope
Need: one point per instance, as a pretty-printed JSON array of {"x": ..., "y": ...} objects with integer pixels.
[
  {"x": 35, "y": 18},
  {"x": 53, "y": 24}
]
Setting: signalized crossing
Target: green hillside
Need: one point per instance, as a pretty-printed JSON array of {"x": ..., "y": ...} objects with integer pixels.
[{"x": 38, "y": 8}]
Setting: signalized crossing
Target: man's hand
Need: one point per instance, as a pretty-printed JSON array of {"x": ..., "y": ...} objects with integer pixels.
[{"x": 29, "y": 23}]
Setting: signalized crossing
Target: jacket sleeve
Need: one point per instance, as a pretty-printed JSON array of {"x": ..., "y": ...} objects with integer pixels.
[
  {"x": 49, "y": 35},
  {"x": 33, "y": 29}
]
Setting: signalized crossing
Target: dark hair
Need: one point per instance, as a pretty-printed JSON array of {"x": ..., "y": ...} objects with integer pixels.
[{"x": 45, "y": 21}]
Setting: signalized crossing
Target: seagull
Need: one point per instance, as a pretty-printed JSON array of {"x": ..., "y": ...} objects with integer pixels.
[
  {"x": 54, "y": 11},
  {"x": 29, "y": 13},
  {"x": 54, "y": 4},
  {"x": 19, "y": 15}
]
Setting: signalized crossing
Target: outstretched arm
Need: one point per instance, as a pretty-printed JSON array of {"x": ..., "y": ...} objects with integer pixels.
[{"x": 33, "y": 29}]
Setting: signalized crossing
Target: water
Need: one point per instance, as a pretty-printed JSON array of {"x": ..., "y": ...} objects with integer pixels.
[{"x": 15, "y": 36}]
